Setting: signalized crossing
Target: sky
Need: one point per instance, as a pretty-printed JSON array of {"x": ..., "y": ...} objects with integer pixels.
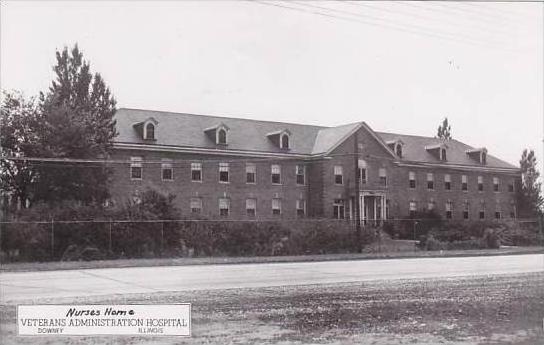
[{"x": 399, "y": 66}]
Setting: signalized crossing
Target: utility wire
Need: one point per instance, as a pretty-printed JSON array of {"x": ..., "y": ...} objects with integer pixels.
[
  {"x": 422, "y": 29},
  {"x": 393, "y": 27}
]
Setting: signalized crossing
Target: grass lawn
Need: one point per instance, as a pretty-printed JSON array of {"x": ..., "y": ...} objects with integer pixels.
[{"x": 505, "y": 309}]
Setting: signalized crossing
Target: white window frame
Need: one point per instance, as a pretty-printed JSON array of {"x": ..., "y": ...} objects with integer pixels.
[
  {"x": 195, "y": 202},
  {"x": 361, "y": 164},
  {"x": 481, "y": 183},
  {"x": 464, "y": 183},
  {"x": 382, "y": 173},
  {"x": 224, "y": 202},
  {"x": 282, "y": 135},
  {"x": 276, "y": 205},
  {"x": 219, "y": 129},
  {"x": 302, "y": 168},
  {"x": 251, "y": 168},
  {"x": 136, "y": 162},
  {"x": 339, "y": 204},
  {"x": 275, "y": 169},
  {"x": 196, "y": 166},
  {"x": 338, "y": 172},
  {"x": 166, "y": 164},
  {"x": 430, "y": 178},
  {"x": 224, "y": 168},
  {"x": 251, "y": 202},
  {"x": 496, "y": 184},
  {"x": 412, "y": 177},
  {"x": 447, "y": 179},
  {"x": 147, "y": 123}
]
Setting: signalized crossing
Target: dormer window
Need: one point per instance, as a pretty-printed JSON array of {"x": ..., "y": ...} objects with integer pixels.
[
  {"x": 218, "y": 134},
  {"x": 280, "y": 138},
  {"x": 149, "y": 131},
  {"x": 479, "y": 155},
  {"x": 222, "y": 137},
  {"x": 396, "y": 146},
  {"x": 284, "y": 141},
  {"x": 438, "y": 150}
]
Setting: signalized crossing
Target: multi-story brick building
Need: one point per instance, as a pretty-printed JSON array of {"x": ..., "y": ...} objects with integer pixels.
[{"x": 243, "y": 169}]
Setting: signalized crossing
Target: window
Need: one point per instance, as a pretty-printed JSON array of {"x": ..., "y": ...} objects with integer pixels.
[
  {"x": 251, "y": 173},
  {"x": 300, "y": 172},
  {"x": 482, "y": 210},
  {"x": 196, "y": 205},
  {"x": 484, "y": 158},
  {"x": 150, "y": 131},
  {"x": 167, "y": 172},
  {"x": 511, "y": 187},
  {"x": 338, "y": 174},
  {"x": 276, "y": 174},
  {"x": 496, "y": 184},
  {"x": 284, "y": 141},
  {"x": 338, "y": 209},
  {"x": 276, "y": 206},
  {"x": 362, "y": 171},
  {"x": 136, "y": 168},
  {"x": 196, "y": 172},
  {"x": 383, "y": 177},
  {"x": 430, "y": 181},
  {"x": 224, "y": 172},
  {"x": 222, "y": 136},
  {"x": 513, "y": 212},
  {"x": 224, "y": 207},
  {"x": 430, "y": 205},
  {"x": 413, "y": 209},
  {"x": 449, "y": 207},
  {"x": 301, "y": 208},
  {"x": 466, "y": 209},
  {"x": 398, "y": 150},
  {"x": 480, "y": 183},
  {"x": 464, "y": 183},
  {"x": 447, "y": 182},
  {"x": 412, "y": 179},
  {"x": 443, "y": 154},
  {"x": 251, "y": 207},
  {"x": 498, "y": 214}
]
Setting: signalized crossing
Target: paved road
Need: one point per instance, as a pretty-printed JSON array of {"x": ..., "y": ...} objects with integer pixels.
[{"x": 17, "y": 287}]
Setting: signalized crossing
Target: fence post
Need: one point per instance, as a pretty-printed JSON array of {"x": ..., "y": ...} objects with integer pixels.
[
  {"x": 162, "y": 238},
  {"x": 109, "y": 243},
  {"x": 52, "y": 238}
]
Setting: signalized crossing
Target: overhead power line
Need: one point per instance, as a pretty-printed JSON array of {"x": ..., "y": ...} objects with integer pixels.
[{"x": 379, "y": 22}]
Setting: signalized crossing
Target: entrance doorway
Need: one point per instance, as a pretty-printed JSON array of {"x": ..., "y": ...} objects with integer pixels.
[{"x": 372, "y": 208}]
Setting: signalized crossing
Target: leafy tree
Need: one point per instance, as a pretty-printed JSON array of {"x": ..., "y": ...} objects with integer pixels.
[
  {"x": 530, "y": 200},
  {"x": 19, "y": 120},
  {"x": 444, "y": 130},
  {"x": 78, "y": 123}
]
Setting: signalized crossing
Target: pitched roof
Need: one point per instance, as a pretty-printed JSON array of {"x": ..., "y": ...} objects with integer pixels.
[
  {"x": 414, "y": 151},
  {"x": 187, "y": 131}
]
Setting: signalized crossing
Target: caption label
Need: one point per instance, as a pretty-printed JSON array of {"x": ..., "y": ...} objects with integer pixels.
[{"x": 132, "y": 319}]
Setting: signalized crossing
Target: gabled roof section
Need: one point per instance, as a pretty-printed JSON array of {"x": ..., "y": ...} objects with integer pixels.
[
  {"x": 328, "y": 138},
  {"x": 415, "y": 150}
]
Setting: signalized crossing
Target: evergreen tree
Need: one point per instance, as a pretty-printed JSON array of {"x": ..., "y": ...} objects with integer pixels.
[
  {"x": 444, "y": 130},
  {"x": 530, "y": 200},
  {"x": 77, "y": 123}
]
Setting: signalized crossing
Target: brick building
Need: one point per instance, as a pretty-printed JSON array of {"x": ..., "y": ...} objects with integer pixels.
[{"x": 243, "y": 169}]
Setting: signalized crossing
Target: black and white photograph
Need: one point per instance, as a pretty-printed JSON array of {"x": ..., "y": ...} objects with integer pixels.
[{"x": 280, "y": 172}]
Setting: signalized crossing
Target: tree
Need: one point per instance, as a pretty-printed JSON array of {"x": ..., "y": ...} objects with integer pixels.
[
  {"x": 530, "y": 200},
  {"x": 19, "y": 125},
  {"x": 78, "y": 123},
  {"x": 444, "y": 130}
]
